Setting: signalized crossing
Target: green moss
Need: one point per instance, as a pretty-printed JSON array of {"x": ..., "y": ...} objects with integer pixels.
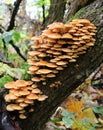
[{"x": 76, "y": 15}]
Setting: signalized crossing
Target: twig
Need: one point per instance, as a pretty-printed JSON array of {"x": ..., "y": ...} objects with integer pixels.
[
  {"x": 11, "y": 26},
  {"x": 17, "y": 50},
  {"x": 12, "y": 21}
]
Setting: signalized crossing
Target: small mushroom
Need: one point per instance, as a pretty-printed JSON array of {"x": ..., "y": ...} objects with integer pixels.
[
  {"x": 22, "y": 116},
  {"x": 32, "y": 96},
  {"x": 44, "y": 71},
  {"x": 42, "y": 97}
]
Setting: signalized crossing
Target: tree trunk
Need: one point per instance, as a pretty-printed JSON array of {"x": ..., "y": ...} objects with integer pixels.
[
  {"x": 72, "y": 76},
  {"x": 56, "y": 11},
  {"x": 74, "y": 6}
]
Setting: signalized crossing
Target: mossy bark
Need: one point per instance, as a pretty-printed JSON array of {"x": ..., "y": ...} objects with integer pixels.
[
  {"x": 74, "y": 6},
  {"x": 72, "y": 76}
]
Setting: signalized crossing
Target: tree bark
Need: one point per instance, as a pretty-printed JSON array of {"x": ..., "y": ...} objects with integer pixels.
[
  {"x": 74, "y": 6},
  {"x": 71, "y": 77},
  {"x": 56, "y": 11}
]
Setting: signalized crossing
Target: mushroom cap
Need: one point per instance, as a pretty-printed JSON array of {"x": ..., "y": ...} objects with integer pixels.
[
  {"x": 59, "y": 68},
  {"x": 61, "y": 63},
  {"x": 56, "y": 25},
  {"x": 42, "y": 55},
  {"x": 17, "y": 107},
  {"x": 62, "y": 42},
  {"x": 31, "y": 62},
  {"x": 67, "y": 36},
  {"x": 31, "y": 110},
  {"x": 51, "y": 75},
  {"x": 46, "y": 32},
  {"x": 10, "y": 107},
  {"x": 20, "y": 99},
  {"x": 28, "y": 101},
  {"x": 32, "y": 96},
  {"x": 42, "y": 97},
  {"x": 23, "y": 104},
  {"x": 22, "y": 116},
  {"x": 7, "y": 98},
  {"x": 33, "y": 68},
  {"x": 33, "y": 53},
  {"x": 29, "y": 82},
  {"x": 36, "y": 90},
  {"x": 41, "y": 63},
  {"x": 36, "y": 79},
  {"x": 51, "y": 65},
  {"x": 72, "y": 60},
  {"x": 81, "y": 20},
  {"x": 86, "y": 37},
  {"x": 40, "y": 37},
  {"x": 11, "y": 96},
  {"x": 10, "y": 85},
  {"x": 20, "y": 83},
  {"x": 22, "y": 111},
  {"x": 16, "y": 93},
  {"x": 24, "y": 92},
  {"x": 54, "y": 35},
  {"x": 44, "y": 71},
  {"x": 66, "y": 50},
  {"x": 50, "y": 40},
  {"x": 34, "y": 86}
]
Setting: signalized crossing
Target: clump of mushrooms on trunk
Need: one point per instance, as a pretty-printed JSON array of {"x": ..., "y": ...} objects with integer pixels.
[
  {"x": 58, "y": 45},
  {"x": 52, "y": 51}
]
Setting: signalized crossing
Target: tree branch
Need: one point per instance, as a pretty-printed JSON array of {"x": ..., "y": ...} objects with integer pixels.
[
  {"x": 12, "y": 21},
  {"x": 11, "y": 26},
  {"x": 18, "y": 51}
]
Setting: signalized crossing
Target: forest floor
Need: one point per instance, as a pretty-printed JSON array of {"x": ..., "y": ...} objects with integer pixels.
[{"x": 83, "y": 109}]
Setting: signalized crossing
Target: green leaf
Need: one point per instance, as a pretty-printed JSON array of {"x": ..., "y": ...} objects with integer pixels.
[
  {"x": 68, "y": 122},
  {"x": 55, "y": 120},
  {"x": 1, "y": 44},
  {"x": 16, "y": 36},
  {"x": 5, "y": 79},
  {"x": 66, "y": 113},
  {"x": 98, "y": 109},
  {"x": 85, "y": 121},
  {"x": 7, "y": 36},
  {"x": 18, "y": 73}
]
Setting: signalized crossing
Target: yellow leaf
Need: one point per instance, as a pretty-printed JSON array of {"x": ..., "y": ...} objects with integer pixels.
[
  {"x": 88, "y": 113},
  {"x": 60, "y": 123},
  {"x": 76, "y": 107},
  {"x": 100, "y": 120}
]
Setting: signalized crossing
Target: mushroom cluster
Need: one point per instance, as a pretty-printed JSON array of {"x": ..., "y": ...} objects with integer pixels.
[
  {"x": 58, "y": 45},
  {"x": 52, "y": 51},
  {"x": 22, "y": 96}
]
